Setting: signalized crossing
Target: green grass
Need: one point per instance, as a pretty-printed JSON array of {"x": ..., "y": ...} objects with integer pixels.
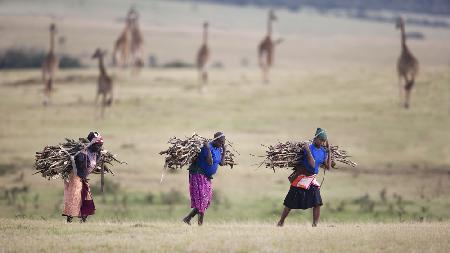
[{"x": 395, "y": 148}]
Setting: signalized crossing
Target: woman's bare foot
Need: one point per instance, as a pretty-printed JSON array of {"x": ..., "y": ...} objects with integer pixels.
[
  {"x": 200, "y": 219},
  {"x": 280, "y": 224},
  {"x": 187, "y": 220}
]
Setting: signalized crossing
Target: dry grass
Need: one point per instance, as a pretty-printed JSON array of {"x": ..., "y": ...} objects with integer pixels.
[
  {"x": 331, "y": 72},
  {"x": 51, "y": 236}
]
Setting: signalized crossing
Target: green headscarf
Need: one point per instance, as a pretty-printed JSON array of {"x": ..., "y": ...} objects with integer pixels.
[{"x": 321, "y": 134}]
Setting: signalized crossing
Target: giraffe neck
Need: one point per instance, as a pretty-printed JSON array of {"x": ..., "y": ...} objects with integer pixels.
[
  {"x": 403, "y": 37},
  {"x": 269, "y": 27},
  {"x": 52, "y": 42},
  {"x": 101, "y": 66},
  {"x": 205, "y": 35}
]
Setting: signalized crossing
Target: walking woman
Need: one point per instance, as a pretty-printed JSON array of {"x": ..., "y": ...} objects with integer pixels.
[
  {"x": 78, "y": 200},
  {"x": 304, "y": 192},
  {"x": 200, "y": 175}
]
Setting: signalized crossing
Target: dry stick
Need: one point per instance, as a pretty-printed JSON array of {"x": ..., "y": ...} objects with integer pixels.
[
  {"x": 185, "y": 151},
  {"x": 56, "y": 161},
  {"x": 289, "y": 154},
  {"x": 102, "y": 178}
]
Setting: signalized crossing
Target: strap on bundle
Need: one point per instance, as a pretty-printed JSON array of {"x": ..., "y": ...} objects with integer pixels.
[{"x": 72, "y": 159}]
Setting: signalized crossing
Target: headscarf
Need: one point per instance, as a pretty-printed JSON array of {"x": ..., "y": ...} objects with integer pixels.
[
  {"x": 94, "y": 138},
  {"x": 321, "y": 134}
]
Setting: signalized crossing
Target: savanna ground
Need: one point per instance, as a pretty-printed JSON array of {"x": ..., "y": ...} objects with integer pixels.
[{"x": 331, "y": 72}]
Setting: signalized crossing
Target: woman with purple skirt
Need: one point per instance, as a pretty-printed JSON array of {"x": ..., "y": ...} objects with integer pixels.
[{"x": 201, "y": 171}]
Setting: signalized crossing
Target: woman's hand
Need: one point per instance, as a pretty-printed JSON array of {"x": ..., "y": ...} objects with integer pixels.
[
  {"x": 306, "y": 146},
  {"x": 224, "y": 151},
  {"x": 209, "y": 159}
]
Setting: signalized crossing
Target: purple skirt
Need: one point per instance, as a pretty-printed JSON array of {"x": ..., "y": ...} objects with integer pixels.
[
  {"x": 200, "y": 189},
  {"x": 87, "y": 205}
]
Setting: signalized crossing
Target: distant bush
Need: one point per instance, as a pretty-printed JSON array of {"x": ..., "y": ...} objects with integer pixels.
[
  {"x": 110, "y": 187},
  {"x": 178, "y": 64},
  {"x": 66, "y": 61},
  {"x": 29, "y": 58},
  {"x": 6, "y": 168},
  {"x": 440, "y": 7},
  {"x": 172, "y": 197},
  {"x": 150, "y": 198}
]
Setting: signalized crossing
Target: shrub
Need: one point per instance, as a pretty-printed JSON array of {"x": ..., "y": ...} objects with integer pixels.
[{"x": 16, "y": 58}]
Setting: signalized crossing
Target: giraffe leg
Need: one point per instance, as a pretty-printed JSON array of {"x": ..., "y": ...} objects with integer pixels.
[
  {"x": 266, "y": 74},
  {"x": 408, "y": 87},
  {"x": 110, "y": 98},
  {"x": 202, "y": 78},
  {"x": 102, "y": 111},
  {"x": 205, "y": 77},
  {"x": 45, "y": 81},
  {"x": 48, "y": 91},
  {"x": 400, "y": 90},
  {"x": 404, "y": 90},
  {"x": 407, "y": 97}
]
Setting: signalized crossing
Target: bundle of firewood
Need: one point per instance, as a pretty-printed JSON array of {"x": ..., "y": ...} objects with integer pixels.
[
  {"x": 290, "y": 154},
  {"x": 55, "y": 162},
  {"x": 183, "y": 152}
]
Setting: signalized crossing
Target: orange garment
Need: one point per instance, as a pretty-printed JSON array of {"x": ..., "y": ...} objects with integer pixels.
[
  {"x": 303, "y": 181},
  {"x": 72, "y": 196}
]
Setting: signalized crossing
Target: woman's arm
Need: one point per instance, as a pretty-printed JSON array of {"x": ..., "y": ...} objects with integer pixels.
[
  {"x": 224, "y": 150},
  {"x": 81, "y": 162},
  {"x": 309, "y": 156},
  {"x": 209, "y": 159},
  {"x": 328, "y": 160}
]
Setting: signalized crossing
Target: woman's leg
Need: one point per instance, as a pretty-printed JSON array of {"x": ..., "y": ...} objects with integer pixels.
[
  {"x": 316, "y": 215},
  {"x": 284, "y": 214},
  {"x": 200, "y": 218},
  {"x": 188, "y": 218}
]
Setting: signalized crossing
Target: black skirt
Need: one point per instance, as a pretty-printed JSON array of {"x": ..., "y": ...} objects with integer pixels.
[{"x": 299, "y": 198}]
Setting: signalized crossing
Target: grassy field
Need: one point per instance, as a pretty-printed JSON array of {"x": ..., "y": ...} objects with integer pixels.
[
  {"x": 45, "y": 236},
  {"x": 330, "y": 72}
]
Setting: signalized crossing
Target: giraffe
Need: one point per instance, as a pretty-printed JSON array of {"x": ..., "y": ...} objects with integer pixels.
[
  {"x": 407, "y": 66},
  {"x": 266, "y": 48},
  {"x": 105, "y": 83},
  {"x": 136, "y": 40},
  {"x": 49, "y": 66},
  {"x": 203, "y": 56},
  {"x": 121, "y": 46},
  {"x": 129, "y": 44}
]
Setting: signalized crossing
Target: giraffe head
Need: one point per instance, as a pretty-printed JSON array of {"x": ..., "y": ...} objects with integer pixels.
[
  {"x": 272, "y": 16},
  {"x": 99, "y": 53},
  {"x": 52, "y": 28},
  {"x": 400, "y": 23},
  {"x": 132, "y": 14}
]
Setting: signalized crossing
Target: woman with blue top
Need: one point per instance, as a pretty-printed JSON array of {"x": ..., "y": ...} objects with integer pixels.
[
  {"x": 304, "y": 192},
  {"x": 201, "y": 171}
]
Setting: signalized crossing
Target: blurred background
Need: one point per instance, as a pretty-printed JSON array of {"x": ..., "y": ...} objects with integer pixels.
[{"x": 333, "y": 64}]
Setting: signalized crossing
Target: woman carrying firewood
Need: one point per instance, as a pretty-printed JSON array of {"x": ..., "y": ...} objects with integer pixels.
[
  {"x": 304, "y": 192},
  {"x": 78, "y": 200},
  {"x": 201, "y": 171}
]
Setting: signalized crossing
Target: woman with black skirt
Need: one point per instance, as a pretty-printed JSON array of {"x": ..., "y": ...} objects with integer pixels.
[{"x": 304, "y": 192}]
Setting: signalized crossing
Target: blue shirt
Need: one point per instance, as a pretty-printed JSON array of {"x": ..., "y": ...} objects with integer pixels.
[
  {"x": 216, "y": 153},
  {"x": 319, "y": 155}
]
